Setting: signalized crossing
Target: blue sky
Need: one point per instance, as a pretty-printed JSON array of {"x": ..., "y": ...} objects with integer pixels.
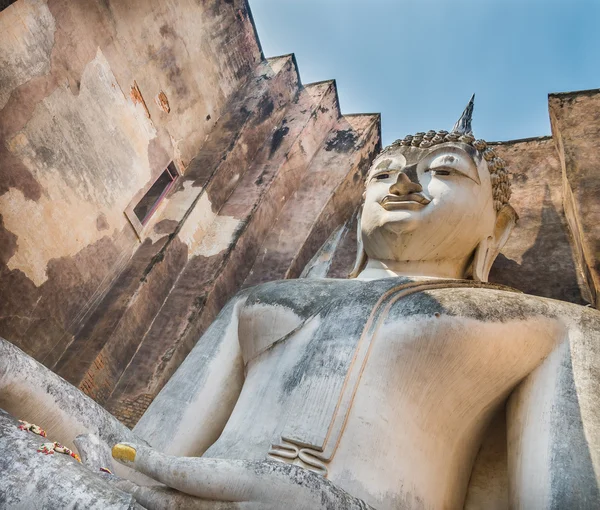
[{"x": 418, "y": 61}]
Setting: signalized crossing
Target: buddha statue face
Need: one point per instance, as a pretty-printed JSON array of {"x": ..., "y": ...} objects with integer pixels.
[
  {"x": 434, "y": 207},
  {"x": 427, "y": 203}
]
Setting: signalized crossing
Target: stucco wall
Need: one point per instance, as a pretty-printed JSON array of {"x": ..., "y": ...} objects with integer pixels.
[
  {"x": 575, "y": 120},
  {"x": 112, "y": 309},
  {"x": 539, "y": 257},
  {"x": 76, "y": 148}
]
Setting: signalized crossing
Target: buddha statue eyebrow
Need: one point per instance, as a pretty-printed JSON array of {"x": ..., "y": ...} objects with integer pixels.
[{"x": 466, "y": 150}]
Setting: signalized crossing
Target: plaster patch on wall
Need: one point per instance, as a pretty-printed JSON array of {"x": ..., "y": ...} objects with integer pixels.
[
  {"x": 177, "y": 157},
  {"x": 205, "y": 232},
  {"x": 55, "y": 237},
  {"x": 180, "y": 202},
  {"x": 30, "y": 50},
  {"x": 84, "y": 167}
]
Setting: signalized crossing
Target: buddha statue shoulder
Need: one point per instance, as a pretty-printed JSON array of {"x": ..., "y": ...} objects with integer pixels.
[{"x": 378, "y": 391}]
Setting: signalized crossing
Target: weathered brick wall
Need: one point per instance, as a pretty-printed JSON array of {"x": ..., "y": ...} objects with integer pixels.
[
  {"x": 76, "y": 147},
  {"x": 83, "y": 138},
  {"x": 575, "y": 120},
  {"x": 539, "y": 257}
]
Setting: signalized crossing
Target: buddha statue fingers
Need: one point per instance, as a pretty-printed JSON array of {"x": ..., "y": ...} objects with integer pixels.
[{"x": 242, "y": 484}]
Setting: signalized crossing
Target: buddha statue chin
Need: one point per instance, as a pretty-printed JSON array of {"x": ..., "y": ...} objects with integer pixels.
[{"x": 378, "y": 391}]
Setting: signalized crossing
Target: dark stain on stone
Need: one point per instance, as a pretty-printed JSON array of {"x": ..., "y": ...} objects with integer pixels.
[
  {"x": 264, "y": 110},
  {"x": 208, "y": 117},
  {"x": 364, "y": 165},
  {"x": 419, "y": 303},
  {"x": 500, "y": 307},
  {"x": 74, "y": 86},
  {"x": 278, "y": 138},
  {"x": 344, "y": 141},
  {"x": 8, "y": 243},
  {"x": 167, "y": 31},
  {"x": 200, "y": 301},
  {"x": 105, "y": 4},
  {"x": 411, "y": 172},
  {"x": 101, "y": 222},
  {"x": 167, "y": 61},
  {"x": 302, "y": 296},
  {"x": 157, "y": 259},
  {"x": 520, "y": 177},
  {"x": 165, "y": 226},
  {"x": 45, "y": 154},
  {"x": 17, "y": 175}
]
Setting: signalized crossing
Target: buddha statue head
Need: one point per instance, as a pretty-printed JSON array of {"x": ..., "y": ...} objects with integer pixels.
[{"x": 435, "y": 204}]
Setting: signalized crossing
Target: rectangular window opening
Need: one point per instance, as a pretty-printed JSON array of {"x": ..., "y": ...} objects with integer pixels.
[{"x": 153, "y": 197}]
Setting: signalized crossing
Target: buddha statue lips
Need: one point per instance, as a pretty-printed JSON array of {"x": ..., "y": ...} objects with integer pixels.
[{"x": 393, "y": 202}]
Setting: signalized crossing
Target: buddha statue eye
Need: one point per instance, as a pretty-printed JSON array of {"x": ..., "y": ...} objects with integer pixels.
[
  {"x": 441, "y": 172},
  {"x": 381, "y": 177}
]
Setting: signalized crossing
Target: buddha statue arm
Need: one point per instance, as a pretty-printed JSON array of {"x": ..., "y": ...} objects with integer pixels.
[
  {"x": 553, "y": 422},
  {"x": 211, "y": 484},
  {"x": 190, "y": 412},
  {"x": 31, "y": 392}
]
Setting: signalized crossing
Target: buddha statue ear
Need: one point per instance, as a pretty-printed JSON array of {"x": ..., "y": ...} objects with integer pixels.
[
  {"x": 361, "y": 254},
  {"x": 489, "y": 248}
]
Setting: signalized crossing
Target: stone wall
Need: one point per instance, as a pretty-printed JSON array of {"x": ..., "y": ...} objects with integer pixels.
[
  {"x": 575, "y": 120},
  {"x": 111, "y": 309},
  {"x": 538, "y": 258},
  {"x": 77, "y": 146}
]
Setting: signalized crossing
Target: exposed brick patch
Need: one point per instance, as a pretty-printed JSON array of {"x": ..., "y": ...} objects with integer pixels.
[{"x": 129, "y": 411}]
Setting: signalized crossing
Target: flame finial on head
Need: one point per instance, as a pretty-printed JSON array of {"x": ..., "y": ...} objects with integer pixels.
[{"x": 463, "y": 125}]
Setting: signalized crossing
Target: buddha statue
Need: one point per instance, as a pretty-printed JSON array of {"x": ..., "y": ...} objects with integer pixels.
[{"x": 378, "y": 391}]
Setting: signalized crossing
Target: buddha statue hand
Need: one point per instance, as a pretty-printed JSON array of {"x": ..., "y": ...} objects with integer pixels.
[{"x": 204, "y": 483}]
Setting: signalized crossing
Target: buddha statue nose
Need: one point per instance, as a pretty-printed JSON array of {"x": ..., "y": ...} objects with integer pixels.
[{"x": 403, "y": 185}]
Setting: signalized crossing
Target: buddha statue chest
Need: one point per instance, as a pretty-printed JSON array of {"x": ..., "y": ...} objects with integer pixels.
[{"x": 348, "y": 386}]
